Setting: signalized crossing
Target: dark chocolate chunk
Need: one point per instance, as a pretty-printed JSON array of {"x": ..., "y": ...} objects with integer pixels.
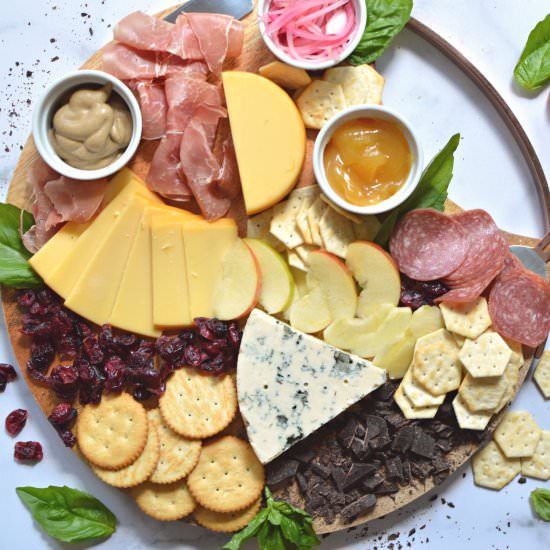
[
  {"x": 380, "y": 442},
  {"x": 397, "y": 421},
  {"x": 282, "y": 470},
  {"x": 314, "y": 499},
  {"x": 423, "y": 444},
  {"x": 387, "y": 488},
  {"x": 407, "y": 475},
  {"x": 421, "y": 469},
  {"x": 303, "y": 454},
  {"x": 376, "y": 426},
  {"x": 360, "y": 448},
  {"x": 347, "y": 433},
  {"x": 358, "y": 507},
  {"x": 444, "y": 445},
  {"x": 440, "y": 465},
  {"x": 302, "y": 483},
  {"x": 403, "y": 439},
  {"x": 338, "y": 475},
  {"x": 356, "y": 473},
  {"x": 385, "y": 392},
  {"x": 370, "y": 483},
  {"x": 320, "y": 470},
  {"x": 328, "y": 514},
  {"x": 440, "y": 477},
  {"x": 394, "y": 468}
]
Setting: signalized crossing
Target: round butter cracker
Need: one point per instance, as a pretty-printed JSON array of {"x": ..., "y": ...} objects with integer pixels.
[
  {"x": 228, "y": 477},
  {"x": 226, "y": 523},
  {"x": 164, "y": 502},
  {"x": 113, "y": 433}
]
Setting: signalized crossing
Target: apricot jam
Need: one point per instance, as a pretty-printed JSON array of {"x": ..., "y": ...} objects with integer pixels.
[{"x": 367, "y": 160}]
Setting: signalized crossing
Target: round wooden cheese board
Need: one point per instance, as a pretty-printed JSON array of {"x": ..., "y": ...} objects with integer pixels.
[{"x": 254, "y": 55}]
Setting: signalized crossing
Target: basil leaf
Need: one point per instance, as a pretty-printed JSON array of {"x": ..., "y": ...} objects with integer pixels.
[
  {"x": 385, "y": 19},
  {"x": 274, "y": 517},
  {"x": 15, "y": 271},
  {"x": 430, "y": 192},
  {"x": 540, "y": 499},
  {"x": 67, "y": 514},
  {"x": 533, "y": 68},
  {"x": 248, "y": 532},
  {"x": 270, "y": 538}
]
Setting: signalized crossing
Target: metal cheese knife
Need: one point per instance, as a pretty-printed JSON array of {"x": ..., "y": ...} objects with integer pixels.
[
  {"x": 534, "y": 259},
  {"x": 237, "y": 8}
]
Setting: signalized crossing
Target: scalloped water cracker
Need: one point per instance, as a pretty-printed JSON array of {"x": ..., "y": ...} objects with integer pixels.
[
  {"x": 437, "y": 368},
  {"x": 437, "y": 336},
  {"x": 467, "y": 419},
  {"x": 226, "y": 523},
  {"x": 301, "y": 218},
  {"x": 542, "y": 374},
  {"x": 336, "y": 232},
  {"x": 304, "y": 250},
  {"x": 492, "y": 469},
  {"x": 361, "y": 84},
  {"x": 258, "y": 228},
  {"x": 418, "y": 396},
  {"x": 314, "y": 215},
  {"x": 512, "y": 378},
  {"x": 409, "y": 410},
  {"x": 538, "y": 466},
  {"x": 319, "y": 102},
  {"x": 295, "y": 260},
  {"x": 459, "y": 340},
  {"x": 469, "y": 320},
  {"x": 367, "y": 229},
  {"x": 164, "y": 502},
  {"x": 355, "y": 218},
  {"x": 483, "y": 394},
  {"x": 487, "y": 355},
  {"x": 517, "y": 434},
  {"x": 140, "y": 470}
]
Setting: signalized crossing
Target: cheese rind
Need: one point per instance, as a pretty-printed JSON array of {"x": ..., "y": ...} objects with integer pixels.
[
  {"x": 269, "y": 137},
  {"x": 289, "y": 384}
]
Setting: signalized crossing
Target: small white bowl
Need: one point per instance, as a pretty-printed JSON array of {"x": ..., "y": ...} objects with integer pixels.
[
  {"x": 376, "y": 112},
  {"x": 360, "y": 10},
  {"x": 47, "y": 106}
]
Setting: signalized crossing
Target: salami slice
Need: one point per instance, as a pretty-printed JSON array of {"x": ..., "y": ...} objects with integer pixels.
[
  {"x": 428, "y": 245},
  {"x": 519, "y": 306},
  {"x": 486, "y": 250},
  {"x": 463, "y": 295}
]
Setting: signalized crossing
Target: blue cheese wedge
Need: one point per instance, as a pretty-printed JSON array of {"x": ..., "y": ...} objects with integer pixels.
[{"x": 289, "y": 384}]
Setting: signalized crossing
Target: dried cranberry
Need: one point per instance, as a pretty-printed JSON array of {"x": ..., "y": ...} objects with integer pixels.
[
  {"x": 166, "y": 370},
  {"x": 140, "y": 393},
  {"x": 28, "y": 451},
  {"x": 214, "y": 365},
  {"x": 42, "y": 354},
  {"x": 125, "y": 340},
  {"x": 91, "y": 351},
  {"x": 170, "y": 348},
  {"x": 187, "y": 336},
  {"x": 3, "y": 383},
  {"x": 82, "y": 329},
  {"x": 211, "y": 329},
  {"x": 234, "y": 334},
  {"x": 26, "y": 299},
  {"x": 115, "y": 374},
  {"x": 36, "y": 327},
  {"x": 63, "y": 415},
  {"x": 213, "y": 347},
  {"x": 68, "y": 438},
  {"x": 412, "y": 299},
  {"x": 193, "y": 356},
  {"x": 16, "y": 420},
  {"x": 68, "y": 345},
  {"x": 39, "y": 310},
  {"x": 415, "y": 294},
  {"x": 8, "y": 371},
  {"x": 38, "y": 376},
  {"x": 47, "y": 297},
  {"x": 64, "y": 381},
  {"x": 90, "y": 383},
  {"x": 106, "y": 339}
]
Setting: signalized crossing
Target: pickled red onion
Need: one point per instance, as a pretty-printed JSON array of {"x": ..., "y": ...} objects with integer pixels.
[{"x": 300, "y": 28}]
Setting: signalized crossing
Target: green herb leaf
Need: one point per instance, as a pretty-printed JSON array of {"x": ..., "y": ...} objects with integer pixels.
[
  {"x": 431, "y": 191},
  {"x": 533, "y": 68},
  {"x": 15, "y": 271},
  {"x": 385, "y": 19},
  {"x": 540, "y": 499},
  {"x": 67, "y": 514},
  {"x": 278, "y": 522}
]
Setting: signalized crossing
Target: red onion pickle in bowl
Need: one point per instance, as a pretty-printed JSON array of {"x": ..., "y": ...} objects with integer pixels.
[{"x": 310, "y": 34}]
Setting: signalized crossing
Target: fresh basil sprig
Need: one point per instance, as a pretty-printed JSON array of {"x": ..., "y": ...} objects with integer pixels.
[
  {"x": 385, "y": 19},
  {"x": 68, "y": 515},
  {"x": 431, "y": 191},
  {"x": 533, "y": 68},
  {"x": 540, "y": 499},
  {"x": 15, "y": 271},
  {"x": 278, "y": 526}
]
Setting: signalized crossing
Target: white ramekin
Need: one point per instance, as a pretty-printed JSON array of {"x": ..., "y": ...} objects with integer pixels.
[
  {"x": 48, "y": 104},
  {"x": 360, "y": 9},
  {"x": 377, "y": 112}
]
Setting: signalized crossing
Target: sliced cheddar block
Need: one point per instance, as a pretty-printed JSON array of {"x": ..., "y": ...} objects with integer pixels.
[
  {"x": 170, "y": 290},
  {"x": 95, "y": 292},
  {"x": 205, "y": 246},
  {"x": 269, "y": 137},
  {"x": 126, "y": 179}
]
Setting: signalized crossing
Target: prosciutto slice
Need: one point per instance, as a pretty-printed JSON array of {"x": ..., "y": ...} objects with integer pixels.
[
  {"x": 144, "y": 32},
  {"x": 153, "y": 105}
]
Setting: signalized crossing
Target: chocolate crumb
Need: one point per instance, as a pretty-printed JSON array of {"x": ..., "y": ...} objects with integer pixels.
[{"x": 522, "y": 480}]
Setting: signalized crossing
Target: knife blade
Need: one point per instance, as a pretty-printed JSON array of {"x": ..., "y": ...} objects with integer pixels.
[{"x": 237, "y": 8}]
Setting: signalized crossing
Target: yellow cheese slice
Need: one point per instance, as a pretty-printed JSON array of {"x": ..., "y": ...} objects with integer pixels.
[
  {"x": 205, "y": 247},
  {"x": 95, "y": 292},
  {"x": 269, "y": 137},
  {"x": 170, "y": 291},
  {"x": 125, "y": 179}
]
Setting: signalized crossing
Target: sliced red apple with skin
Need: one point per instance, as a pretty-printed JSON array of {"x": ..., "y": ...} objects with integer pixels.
[
  {"x": 238, "y": 290},
  {"x": 397, "y": 357},
  {"x": 376, "y": 273},
  {"x": 335, "y": 281},
  {"x": 310, "y": 313},
  {"x": 277, "y": 280}
]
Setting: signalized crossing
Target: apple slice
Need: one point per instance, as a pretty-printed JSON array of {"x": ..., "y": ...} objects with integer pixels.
[
  {"x": 376, "y": 273},
  {"x": 392, "y": 329},
  {"x": 310, "y": 313},
  {"x": 277, "y": 280},
  {"x": 397, "y": 358},
  {"x": 239, "y": 288},
  {"x": 426, "y": 319},
  {"x": 335, "y": 281}
]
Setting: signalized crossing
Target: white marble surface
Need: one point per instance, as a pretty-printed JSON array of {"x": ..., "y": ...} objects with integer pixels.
[{"x": 42, "y": 39}]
